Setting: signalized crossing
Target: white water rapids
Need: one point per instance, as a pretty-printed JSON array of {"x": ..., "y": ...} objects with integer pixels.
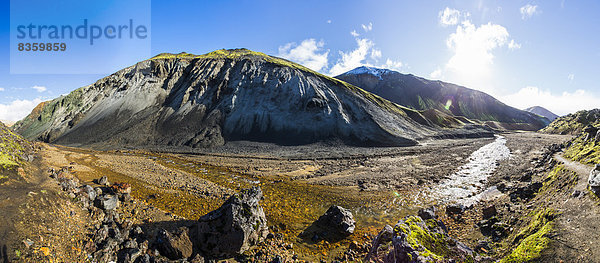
[{"x": 466, "y": 185}]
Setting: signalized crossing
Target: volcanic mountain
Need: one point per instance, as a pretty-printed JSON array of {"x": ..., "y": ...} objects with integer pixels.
[
  {"x": 542, "y": 112},
  {"x": 185, "y": 100},
  {"x": 422, "y": 94}
]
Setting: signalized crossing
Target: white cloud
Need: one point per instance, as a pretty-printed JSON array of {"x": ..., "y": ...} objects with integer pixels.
[
  {"x": 329, "y": 21},
  {"x": 512, "y": 45},
  {"x": 571, "y": 77},
  {"x": 309, "y": 53},
  {"x": 354, "y": 58},
  {"x": 375, "y": 54},
  {"x": 1, "y": 89},
  {"x": 436, "y": 74},
  {"x": 39, "y": 88},
  {"x": 472, "y": 49},
  {"x": 449, "y": 17},
  {"x": 561, "y": 104},
  {"x": 392, "y": 64},
  {"x": 17, "y": 109},
  {"x": 354, "y": 33},
  {"x": 368, "y": 27},
  {"x": 528, "y": 11}
]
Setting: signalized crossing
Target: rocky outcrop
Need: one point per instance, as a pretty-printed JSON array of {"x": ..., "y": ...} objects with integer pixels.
[
  {"x": 594, "y": 180},
  {"x": 233, "y": 228},
  {"x": 414, "y": 239},
  {"x": 336, "y": 224}
]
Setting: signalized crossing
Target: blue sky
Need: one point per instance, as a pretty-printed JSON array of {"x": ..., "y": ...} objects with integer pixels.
[{"x": 525, "y": 53}]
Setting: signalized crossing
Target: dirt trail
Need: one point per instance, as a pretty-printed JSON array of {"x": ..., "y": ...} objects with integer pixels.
[{"x": 579, "y": 224}]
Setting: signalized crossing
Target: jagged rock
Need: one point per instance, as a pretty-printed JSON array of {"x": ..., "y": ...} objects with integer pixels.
[
  {"x": 102, "y": 181},
  {"x": 108, "y": 202},
  {"x": 455, "y": 209},
  {"x": 175, "y": 246},
  {"x": 337, "y": 223},
  {"x": 594, "y": 179},
  {"x": 233, "y": 228},
  {"x": 489, "y": 212},
  {"x": 590, "y": 132},
  {"x": 89, "y": 192},
  {"x": 597, "y": 138},
  {"x": 420, "y": 246},
  {"x": 427, "y": 213}
]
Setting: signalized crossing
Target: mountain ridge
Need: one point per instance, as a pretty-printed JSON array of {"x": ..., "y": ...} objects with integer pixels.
[
  {"x": 539, "y": 110},
  {"x": 229, "y": 95},
  {"x": 421, "y": 94}
]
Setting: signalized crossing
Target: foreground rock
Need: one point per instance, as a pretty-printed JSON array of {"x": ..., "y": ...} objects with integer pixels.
[
  {"x": 594, "y": 180},
  {"x": 416, "y": 240},
  {"x": 336, "y": 224},
  {"x": 175, "y": 246},
  {"x": 233, "y": 228}
]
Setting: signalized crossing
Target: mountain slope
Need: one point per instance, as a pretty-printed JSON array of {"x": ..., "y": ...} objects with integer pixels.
[
  {"x": 542, "y": 112},
  {"x": 421, "y": 94},
  {"x": 574, "y": 123},
  {"x": 202, "y": 101}
]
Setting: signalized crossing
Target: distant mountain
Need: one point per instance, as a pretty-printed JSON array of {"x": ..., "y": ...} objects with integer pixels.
[
  {"x": 7, "y": 123},
  {"x": 422, "y": 94},
  {"x": 185, "y": 100},
  {"x": 574, "y": 123},
  {"x": 542, "y": 112}
]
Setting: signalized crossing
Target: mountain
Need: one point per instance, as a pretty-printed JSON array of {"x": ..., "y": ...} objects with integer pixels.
[
  {"x": 421, "y": 94},
  {"x": 542, "y": 112},
  {"x": 574, "y": 123},
  {"x": 7, "y": 123},
  {"x": 185, "y": 100}
]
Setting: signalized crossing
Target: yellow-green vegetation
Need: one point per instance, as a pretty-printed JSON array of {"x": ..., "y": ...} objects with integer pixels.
[
  {"x": 573, "y": 123},
  {"x": 533, "y": 238},
  {"x": 559, "y": 179},
  {"x": 11, "y": 148},
  {"x": 586, "y": 152},
  {"x": 434, "y": 244}
]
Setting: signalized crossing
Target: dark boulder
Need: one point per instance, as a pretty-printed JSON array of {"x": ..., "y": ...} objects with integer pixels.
[
  {"x": 489, "y": 212},
  {"x": 233, "y": 228},
  {"x": 336, "y": 224},
  {"x": 427, "y": 213},
  {"x": 455, "y": 209}
]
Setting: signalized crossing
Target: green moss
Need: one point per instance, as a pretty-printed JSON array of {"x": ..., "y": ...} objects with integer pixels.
[
  {"x": 559, "y": 179},
  {"x": 533, "y": 238},
  {"x": 586, "y": 152},
  {"x": 531, "y": 247},
  {"x": 434, "y": 245}
]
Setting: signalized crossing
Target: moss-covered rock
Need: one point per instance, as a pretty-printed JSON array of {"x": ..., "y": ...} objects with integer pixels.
[{"x": 416, "y": 240}]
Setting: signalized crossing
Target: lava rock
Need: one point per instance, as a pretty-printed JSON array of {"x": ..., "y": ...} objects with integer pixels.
[
  {"x": 594, "y": 179},
  {"x": 89, "y": 191},
  {"x": 427, "y": 213},
  {"x": 405, "y": 247},
  {"x": 455, "y": 209},
  {"x": 102, "y": 181},
  {"x": 233, "y": 228},
  {"x": 175, "y": 246},
  {"x": 489, "y": 212},
  {"x": 108, "y": 202},
  {"x": 336, "y": 224}
]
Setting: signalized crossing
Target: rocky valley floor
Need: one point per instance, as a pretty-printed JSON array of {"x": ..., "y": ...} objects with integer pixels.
[{"x": 299, "y": 183}]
